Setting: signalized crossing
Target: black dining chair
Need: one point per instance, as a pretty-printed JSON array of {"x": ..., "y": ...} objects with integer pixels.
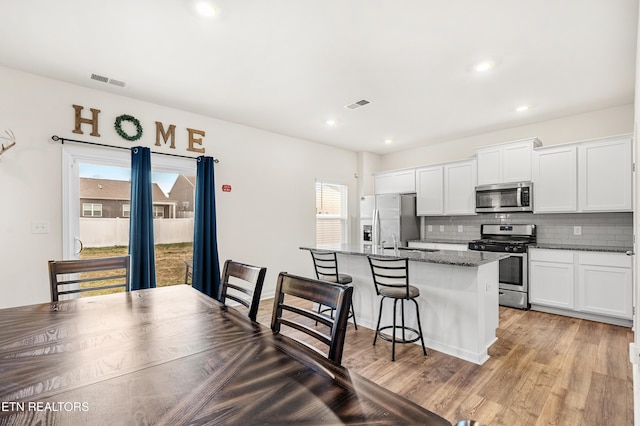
[
  {"x": 242, "y": 283},
  {"x": 325, "y": 264},
  {"x": 286, "y": 312},
  {"x": 98, "y": 275},
  {"x": 391, "y": 280}
]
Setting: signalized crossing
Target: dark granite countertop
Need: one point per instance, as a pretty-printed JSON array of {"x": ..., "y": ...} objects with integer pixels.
[
  {"x": 439, "y": 241},
  {"x": 444, "y": 257},
  {"x": 609, "y": 249}
]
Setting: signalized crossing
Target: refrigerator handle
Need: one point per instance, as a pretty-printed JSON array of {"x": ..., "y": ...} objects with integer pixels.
[{"x": 375, "y": 228}]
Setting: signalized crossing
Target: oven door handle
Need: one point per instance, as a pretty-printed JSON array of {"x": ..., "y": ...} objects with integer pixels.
[{"x": 519, "y": 197}]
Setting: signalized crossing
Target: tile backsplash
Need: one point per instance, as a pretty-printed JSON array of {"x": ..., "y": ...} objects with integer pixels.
[{"x": 597, "y": 229}]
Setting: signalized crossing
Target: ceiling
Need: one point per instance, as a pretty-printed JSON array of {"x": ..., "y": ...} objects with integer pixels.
[{"x": 288, "y": 66}]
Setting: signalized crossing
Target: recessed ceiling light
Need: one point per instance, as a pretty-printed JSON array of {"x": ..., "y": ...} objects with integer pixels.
[
  {"x": 522, "y": 108},
  {"x": 205, "y": 8},
  {"x": 331, "y": 122},
  {"x": 483, "y": 66},
  {"x": 388, "y": 141}
]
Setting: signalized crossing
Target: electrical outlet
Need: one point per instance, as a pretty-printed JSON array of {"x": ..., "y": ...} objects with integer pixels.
[
  {"x": 577, "y": 230},
  {"x": 441, "y": 228},
  {"x": 430, "y": 228},
  {"x": 460, "y": 228},
  {"x": 39, "y": 227}
]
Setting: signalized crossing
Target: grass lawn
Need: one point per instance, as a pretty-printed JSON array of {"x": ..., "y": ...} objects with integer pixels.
[{"x": 170, "y": 267}]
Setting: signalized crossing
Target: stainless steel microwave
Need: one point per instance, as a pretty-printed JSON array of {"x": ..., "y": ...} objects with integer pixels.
[{"x": 507, "y": 197}]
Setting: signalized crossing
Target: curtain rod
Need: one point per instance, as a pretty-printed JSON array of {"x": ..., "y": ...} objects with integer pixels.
[{"x": 63, "y": 140}]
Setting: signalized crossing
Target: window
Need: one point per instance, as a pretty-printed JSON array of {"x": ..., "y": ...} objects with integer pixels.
[
  {"x": 331, "y": 213},
  {"x": 91, "y": 210},
  {"x": 126, "y": 210},
  {"x": 158, "y": 212}
]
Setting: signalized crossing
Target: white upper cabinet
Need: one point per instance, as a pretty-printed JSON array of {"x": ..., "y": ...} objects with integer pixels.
[
  {"x": 509, "y": 162},
  {"x": 583, "y": 177},
  {"x": 555, "y": 180},
  {"x": 489, "y": 165},
  {"x": 397, "y": 182},
  {"x": 430, "y": 191},
  {"x": 446, "y": 189},
  {"x": 605, "y": 175},
  {"x": 459, "y": 188}
]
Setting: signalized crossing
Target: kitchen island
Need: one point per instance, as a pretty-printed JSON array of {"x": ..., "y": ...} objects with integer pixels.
[{"x": 458, "y": 295}]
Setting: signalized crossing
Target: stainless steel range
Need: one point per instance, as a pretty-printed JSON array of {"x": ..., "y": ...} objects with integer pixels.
[{"x": 514, "y": 273}]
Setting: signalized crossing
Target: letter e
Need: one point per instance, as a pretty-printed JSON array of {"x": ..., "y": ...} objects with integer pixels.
[{"x": 194, "y": 140}]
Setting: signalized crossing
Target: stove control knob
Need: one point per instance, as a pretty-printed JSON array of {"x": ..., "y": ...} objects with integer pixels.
[
  {"x": 482, "y": 247},
  {"x": 506, "y": 248}
]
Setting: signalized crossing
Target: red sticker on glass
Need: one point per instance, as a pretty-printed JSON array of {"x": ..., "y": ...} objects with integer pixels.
[{"x": 226, "y": 188}]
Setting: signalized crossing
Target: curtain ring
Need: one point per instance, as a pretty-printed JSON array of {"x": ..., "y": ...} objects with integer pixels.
[{"x": 135, "y": 150}]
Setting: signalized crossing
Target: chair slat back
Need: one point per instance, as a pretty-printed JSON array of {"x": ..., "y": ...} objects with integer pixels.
[
  {"x": 242, "y": 283},
  {"x": 287, "y": 313},
  {"x": 390, "y": 272},
  {"x": 325, "y": 264},
  {"x": 119, "y": 275}
]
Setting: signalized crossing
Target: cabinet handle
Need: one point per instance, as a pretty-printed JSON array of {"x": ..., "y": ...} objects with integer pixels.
[{"x": 630, "y": 253}]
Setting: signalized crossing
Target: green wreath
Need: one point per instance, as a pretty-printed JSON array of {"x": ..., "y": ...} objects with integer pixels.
[{"x": 132, "y": 119}]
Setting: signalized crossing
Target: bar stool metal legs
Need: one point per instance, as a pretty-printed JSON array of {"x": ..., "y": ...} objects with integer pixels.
[{"x": 393, "y": 339}]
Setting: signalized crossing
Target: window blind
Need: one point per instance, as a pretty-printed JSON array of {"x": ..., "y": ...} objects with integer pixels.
[{"x": 331, "y": 213}]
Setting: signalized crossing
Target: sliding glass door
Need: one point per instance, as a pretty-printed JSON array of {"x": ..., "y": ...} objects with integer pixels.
[{"x": 96, "y": 207}]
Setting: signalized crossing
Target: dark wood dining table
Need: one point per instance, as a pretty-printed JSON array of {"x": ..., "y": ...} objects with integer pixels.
[{"x": 174, "y": 356}]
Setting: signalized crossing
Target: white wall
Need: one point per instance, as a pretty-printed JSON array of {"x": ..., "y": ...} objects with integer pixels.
[
  {"x": 269, "y": 213},
  {"x": 595, "y": 124}
]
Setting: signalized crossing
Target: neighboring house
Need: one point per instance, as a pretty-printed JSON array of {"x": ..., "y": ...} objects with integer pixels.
[
  {"x": 183, "y": 194},
  {"x": 112, "y": 198}
]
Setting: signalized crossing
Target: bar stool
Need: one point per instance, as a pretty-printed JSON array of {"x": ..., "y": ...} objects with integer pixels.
[
  {"x": 326, "y": 267},
  {"x": 391, "y": 279}
]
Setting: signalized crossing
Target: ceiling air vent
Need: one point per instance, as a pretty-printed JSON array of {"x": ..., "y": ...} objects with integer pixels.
[
  {"x": 357, "y": 104},
  {"x": 99, "y": 78},
  {"x": 117, "y": 82},
  {"x": 103, "y": 79}
]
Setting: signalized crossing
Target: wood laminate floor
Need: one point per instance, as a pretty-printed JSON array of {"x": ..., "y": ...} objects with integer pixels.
[{"x": 544, "y": 369}]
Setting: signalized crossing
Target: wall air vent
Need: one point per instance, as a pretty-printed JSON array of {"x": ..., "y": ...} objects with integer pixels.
[
  {"x": 103, "y": 79},
  {"x": 357, "y": 104}
]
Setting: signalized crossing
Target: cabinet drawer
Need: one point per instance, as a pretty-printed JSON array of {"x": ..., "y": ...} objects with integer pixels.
[
  {"x": 558, "y": 256},
  {"x": 617, "y": 260}
]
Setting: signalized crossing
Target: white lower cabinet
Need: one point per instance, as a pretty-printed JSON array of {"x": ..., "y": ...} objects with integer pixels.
[
  {"x": 592, "y": 285},
  {"x": 552, "y": 271},
  {"x": 605, "y": 284}
]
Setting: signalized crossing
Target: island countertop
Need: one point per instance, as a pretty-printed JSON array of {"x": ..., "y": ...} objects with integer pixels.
[{"x": 444, "y": 257}]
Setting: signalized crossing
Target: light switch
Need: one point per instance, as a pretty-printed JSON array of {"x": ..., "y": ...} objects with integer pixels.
[
  {"x": 577, "y": 230},
  {"x": 441, "y": 228},
  {"x": 430, "y": 228},
  {"x": 460, "y": 228},
  {"x": 40, "y": 227}
]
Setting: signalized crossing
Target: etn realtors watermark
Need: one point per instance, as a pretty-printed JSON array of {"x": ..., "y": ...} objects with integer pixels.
[{"x": 63, "y": 407}]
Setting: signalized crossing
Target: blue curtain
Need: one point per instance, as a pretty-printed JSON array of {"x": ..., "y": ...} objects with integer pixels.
[
  {"x": 143, "y": 262},
  {"x": 206, "y": 267}
]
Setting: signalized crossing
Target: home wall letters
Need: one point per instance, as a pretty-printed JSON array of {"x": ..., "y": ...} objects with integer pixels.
[{"x": 168, "y": 135}]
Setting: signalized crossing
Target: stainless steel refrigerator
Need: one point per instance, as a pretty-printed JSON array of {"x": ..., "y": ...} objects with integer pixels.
[{"x": 395, "y": 215}]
